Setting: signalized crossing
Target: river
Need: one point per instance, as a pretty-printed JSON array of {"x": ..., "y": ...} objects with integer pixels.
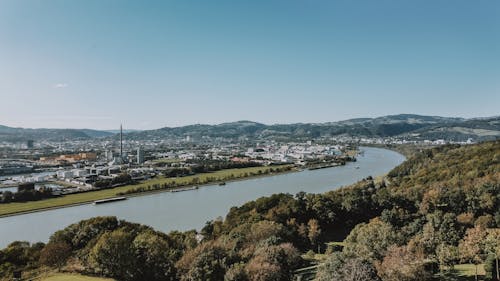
[{"x": 186, "y": 210}]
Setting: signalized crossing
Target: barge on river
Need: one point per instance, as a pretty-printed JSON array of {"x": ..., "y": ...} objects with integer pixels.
[{"x": 109, "y": 200}]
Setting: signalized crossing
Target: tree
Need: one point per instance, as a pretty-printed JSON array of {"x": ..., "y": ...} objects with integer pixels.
[
  {"x": 154, "y": 257},
  {"x": 314, "y": 232},
  {"x": 210, "y": 265},
  {"x": 208, "y": 261},
  {"x": 260, "y": 270},
  {"x": 447, "y": 255},
  {"x": 7, "y": 196},
  {"x": 400, "y": 264},
  {"x": 80, "y": 234},
  {"x": 236, "y": 272},
  {"x": 491, "y": 267},
  {"x": 439, "y": 229},
  {"x": 273, "y": 262},
  {"x": 18, "y": 256},
  {"x": 17, "y": 253},
  {"x": 370, "y": 241},
  {"x": 492, "y": 248},
  {"x": 113, "y": 255},
  {"x": 55, "y": 254},
  {"x": 470, "y": 246},
  {"x": 339, "y": 267}
]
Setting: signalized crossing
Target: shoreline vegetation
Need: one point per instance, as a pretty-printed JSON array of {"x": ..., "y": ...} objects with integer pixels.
[{"x": 156, "y": 185}]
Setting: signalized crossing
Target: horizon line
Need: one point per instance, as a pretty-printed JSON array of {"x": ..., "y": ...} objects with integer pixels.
[{"x": 243, "y": 120}]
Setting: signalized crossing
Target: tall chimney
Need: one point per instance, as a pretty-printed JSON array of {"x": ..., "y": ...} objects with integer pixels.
[{"x": 121, "y": 141}]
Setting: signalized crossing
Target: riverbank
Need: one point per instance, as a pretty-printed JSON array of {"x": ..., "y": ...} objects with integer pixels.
[
  {"x": 71, "y": 200},
  {"x": 165, "y": 211}
]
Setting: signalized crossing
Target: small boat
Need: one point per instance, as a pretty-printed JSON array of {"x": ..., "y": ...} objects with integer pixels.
[
  {"x": 357, "y": 167},
  {"x": 222, "y": 183}
]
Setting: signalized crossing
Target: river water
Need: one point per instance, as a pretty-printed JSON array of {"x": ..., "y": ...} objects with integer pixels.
[{"x": 191, "y": 209}]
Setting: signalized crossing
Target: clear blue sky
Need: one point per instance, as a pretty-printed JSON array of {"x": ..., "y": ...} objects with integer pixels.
[{"x": 149, "y": 64}]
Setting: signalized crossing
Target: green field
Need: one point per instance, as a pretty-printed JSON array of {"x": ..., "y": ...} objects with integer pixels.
[
  {"x": 79, "y": 198},
  {"x": 72, "y": 277},
  {"x": 462, "y": 272},
  {"x": 468, "y": 270},
  {"x": 167, "y": 160}
]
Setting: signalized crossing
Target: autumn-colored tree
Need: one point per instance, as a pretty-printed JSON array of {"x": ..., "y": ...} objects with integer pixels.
[
  {"x": 275, "y": 262},
  {"x": 400, "y": 264},
  {"x": 208, "y": 261},
  {"x": 259, "y": 232},
  {"x": 338, "y": 267},
  {"x": 314, "y": 232},
  {"x": 466, "y": 219},
  {"x": 471, "y": 246},
  {"x": 260, "y": 270}
]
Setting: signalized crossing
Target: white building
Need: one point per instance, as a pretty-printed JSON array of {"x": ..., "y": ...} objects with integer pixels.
[
  {"x": 80, "y": 173},
  {"x": 64, "y": 174}
]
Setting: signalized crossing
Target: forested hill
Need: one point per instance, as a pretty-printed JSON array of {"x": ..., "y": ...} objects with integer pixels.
[
  {"x": 11, "y": 134},
  {"x": 416, "y": 127},
  {"x": 448, "y": 167},
  {"x": 409, "y": 126},
  {"x": 439, "y": 208}
]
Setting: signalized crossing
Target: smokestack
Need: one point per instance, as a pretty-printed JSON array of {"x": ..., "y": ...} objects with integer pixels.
[{"x": 121, "y": 141}]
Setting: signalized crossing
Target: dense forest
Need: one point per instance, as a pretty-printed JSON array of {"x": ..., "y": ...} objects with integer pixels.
[{"x": 439, "y": 208}]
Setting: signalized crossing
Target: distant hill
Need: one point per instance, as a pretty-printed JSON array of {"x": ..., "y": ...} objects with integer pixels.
[
  {"x": 124, "y": 131},
  {"x": 404, "y": 125},
  {"x": 411, "y": 126},
  {"x": 480, "y": 128},
  {"x": 21, "y": 134}
]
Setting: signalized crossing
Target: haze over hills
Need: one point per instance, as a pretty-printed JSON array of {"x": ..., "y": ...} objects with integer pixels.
[{"x": 402, "y": 125}]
